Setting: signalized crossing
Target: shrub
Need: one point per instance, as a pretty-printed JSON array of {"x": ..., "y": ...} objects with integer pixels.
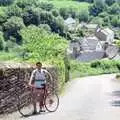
[
  {"x": 46, "y": 6},
  {"x": 14, "y": 10},
  {"x": 64, "y": 12},
  {"x": 110, "y": 2},
  {"x": 115, "y": 21},
  {"x": 26, "y": 3},
  {"x": 12, "y": 27},
  {"x": 83, "y": 16},
  {"x": 6, "y": 2},
  {"x": 1, "y": 41},
  {"x": 3, "y": 16},
  {"x": 55, "y": 12},
  {"x": 95, "y": 64},
  {"x": 46, "y": 27},
  {"x": 114, "y": 9}
]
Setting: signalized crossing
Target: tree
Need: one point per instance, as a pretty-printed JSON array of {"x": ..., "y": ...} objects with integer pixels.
[
  {"x": 46, "y": 6},
  {"x": 64, "y": 12},
  {"x": 41, "y": 44},
  {"x": 12, "y": 27},
  {"x": 97, "y": 7},
  {"x": 116, "y": 21},
  {"x": 26, "y": 3},
  {"x": 55, "y": 12},
  {"x": 3, "y": 16},
  {"x": 14, "y": 10},
  {"x": 1, "y": 41},
  {"x": 114, "y": 9},
  {"x": 98, "y": 20},
  {"x": 45, "y": 27},
  {"x": 83, "y": 16},
  {"x": 32, "y": 16},
  {"x": 6, "y": 2},
  {"x": 110, "y": 2}
]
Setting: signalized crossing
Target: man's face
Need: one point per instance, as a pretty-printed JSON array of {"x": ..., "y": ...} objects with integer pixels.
[{"x": 39, "y": 66}]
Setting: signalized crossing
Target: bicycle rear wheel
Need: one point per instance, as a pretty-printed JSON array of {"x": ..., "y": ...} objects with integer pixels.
[
  {"x": 51, "y": 102},
  {"x": 25, "y": 105}
]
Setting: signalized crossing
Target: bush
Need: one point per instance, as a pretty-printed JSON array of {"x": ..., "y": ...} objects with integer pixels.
[
  {"x": 6, "y": 2},
  {"x": 64, "y": 12},
  {"x": 12, "y": 27},
  {"x": 95, "y": 64},
  {"x": 83, "y": 16},
  {"x": 14, "y": 10},
  {"x": 116, "y": 21},
  {"x": 1, "y": 41},
  {"x": 110, "y": 2},
  {"x": 45, "y": 26},
  {"x": 26, "y": 3},
  {"x": 46, "y": 6},
  {"x": 96, "y": 8},
  {"x": 3, "y": 16},
  {"x": 32, "y": 16},
  {"x": 97, "y": 20},
  {"x": 114, "y": 9},
  {"x": 55, "y": 12}
]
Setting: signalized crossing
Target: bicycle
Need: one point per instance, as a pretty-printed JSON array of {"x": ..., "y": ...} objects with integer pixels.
[{"x": 25, "y": 104}]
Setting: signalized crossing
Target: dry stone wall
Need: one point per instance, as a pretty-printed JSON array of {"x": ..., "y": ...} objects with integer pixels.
[{"x": 12, "y": 77}]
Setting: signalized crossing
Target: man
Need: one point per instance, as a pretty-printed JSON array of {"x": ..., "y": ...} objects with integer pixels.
[{"x": 38, "y": 80}]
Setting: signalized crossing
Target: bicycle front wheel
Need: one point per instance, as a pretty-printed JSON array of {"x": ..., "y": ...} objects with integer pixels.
[
  {"x": 51, "y": 102},
  {"x": 25, "y": 106}
]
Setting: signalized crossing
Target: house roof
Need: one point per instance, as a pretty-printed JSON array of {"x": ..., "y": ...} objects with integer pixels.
[
  {"x": 69, "y": 21},
  {"x": 90, "y": 56},
  {"x": 91, "y": 26},
  {"x": 112, "y": 51},
  {"x": 90, "y": 43},
  {"x": 108, "y": 31},
  {"x": 117, "y": 57},
  {"x": 103, "y": 33}
]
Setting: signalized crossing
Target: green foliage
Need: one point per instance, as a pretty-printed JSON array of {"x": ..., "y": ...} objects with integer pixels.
[
  {"x": 45, "y": 26},
  {"x": 32, "y": 16},
  {"x": 12, "y": 27},
  {"x": 110, "y": 2},
  {"x": 55, "y": 12},
  {"x": 6, "y": 2},
  {"x": 64, "y": 12},
  {"x": 116, "y": 21},
  {"x": 26, "y": 3},
  {"x": 3, "y": 15},
  {"x": 98, "y": 20},
  {"x": 97, "y": 7},
  {"x": 42, "y": 44},
  {"x": 83, "y": 16},
  {"x": 114, "y": 9},
  {"x": 46, "y": 6},
  {"x": 79, "y": 69},
  {"x": 14, "y": 10},
  {"x": 1, "y": 41}
]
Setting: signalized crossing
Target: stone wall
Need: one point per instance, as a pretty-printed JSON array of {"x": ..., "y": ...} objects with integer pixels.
[{"x": 12, "y": 77}]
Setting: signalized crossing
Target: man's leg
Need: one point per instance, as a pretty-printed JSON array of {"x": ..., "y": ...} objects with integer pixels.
[
  {"x": 35, "y": 101},
  {"x": 41, "y": 101}
]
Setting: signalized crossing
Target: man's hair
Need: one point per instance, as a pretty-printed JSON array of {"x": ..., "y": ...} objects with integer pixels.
[{"x": 38, "y": 63}]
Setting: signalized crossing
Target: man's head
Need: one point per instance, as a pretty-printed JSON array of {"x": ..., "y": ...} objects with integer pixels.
[{"x": 38, "y": 65}]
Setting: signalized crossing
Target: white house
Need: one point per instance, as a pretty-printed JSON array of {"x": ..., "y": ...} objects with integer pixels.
[
  {"x": 106, "y": 35},
  {"x": 91, "y": 44},
  {"x": 70, "y": 23}
]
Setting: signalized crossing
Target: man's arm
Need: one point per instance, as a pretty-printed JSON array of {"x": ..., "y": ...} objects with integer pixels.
[
  {"x": 49, "y": 74},
  {"x": 32, "y": 78}
]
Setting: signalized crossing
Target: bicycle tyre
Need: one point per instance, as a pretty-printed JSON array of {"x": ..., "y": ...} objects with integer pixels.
[
  {"x": 25, "y": 104},
  {"x": 50, "y": 99}
]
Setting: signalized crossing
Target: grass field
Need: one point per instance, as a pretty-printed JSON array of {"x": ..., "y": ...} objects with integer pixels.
[{"x": 69, "y": 4}]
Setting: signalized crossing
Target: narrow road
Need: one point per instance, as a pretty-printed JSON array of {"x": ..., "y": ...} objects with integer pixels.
[{"x": 89, "y": 98}]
